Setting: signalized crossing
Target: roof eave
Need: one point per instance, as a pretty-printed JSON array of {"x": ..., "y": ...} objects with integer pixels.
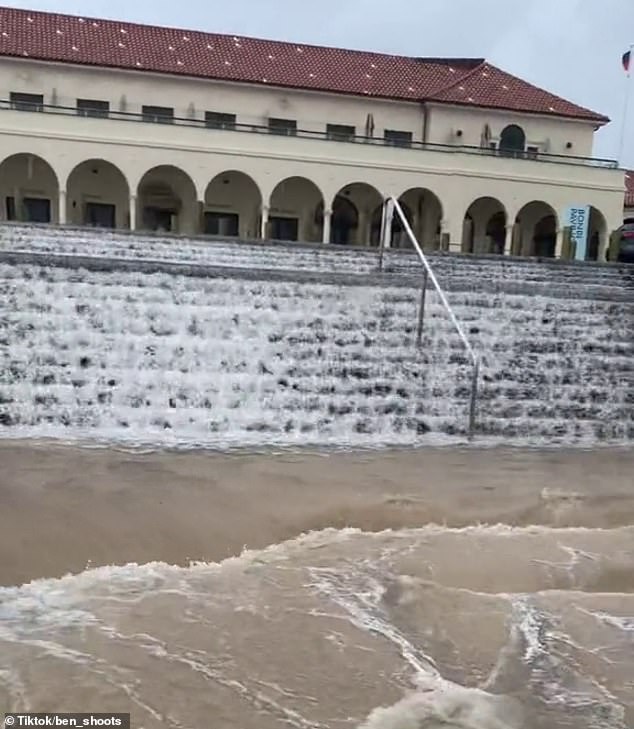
[
  {"x": 597, "y": 119},
  {"x": 218, "y": 79}
]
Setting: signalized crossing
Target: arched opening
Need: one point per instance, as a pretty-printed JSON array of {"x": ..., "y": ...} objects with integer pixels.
[
  {"x": 352, "y": 211},
  {"x": 345, "y": 221},
  {"x": 29, "y": 190},
  {"x": 512, "y": 141},
  {"x": 545, "y": 238},
  {"x": 537, "y": 230},
  {"x": 167, "y": 201},
  {"x": 425, "y": 217},
  {"x": 97, "y": 194},
  {"x": 233, "y": 204},
  {"x": 294, "y": 211},
  {"x": 496, "y": 233},
  {"x": 484, "y": 227},
  {"x": 399, "y": 237},
  {"x": 597, "y": 247}
]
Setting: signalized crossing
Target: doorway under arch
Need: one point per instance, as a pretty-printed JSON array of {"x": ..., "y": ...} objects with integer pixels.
[
  {"x": 399, "y": 238},
  {"x": 29, "y": 189},
  {"x": 597, "y": 245},
  {"x": 98, "y": 194},
  {"x": 233, "y": 203},
  {"x": 294, "y": 211},
  {"x": 426, "y": 214},
  {"x": 167, "y": 201},
  {"x": 352, "y": 210},
  {"x": 537, "y": 223},
  {"x": 484, "y": 227}
]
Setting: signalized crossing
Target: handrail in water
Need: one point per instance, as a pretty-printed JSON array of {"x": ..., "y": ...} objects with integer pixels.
[{"x": 391, "y": 205}]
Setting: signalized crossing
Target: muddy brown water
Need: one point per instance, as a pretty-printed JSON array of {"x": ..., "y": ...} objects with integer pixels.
[{"x": 479, "y": 589}]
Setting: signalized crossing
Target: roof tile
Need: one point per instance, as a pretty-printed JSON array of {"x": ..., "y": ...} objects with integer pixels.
[
  {"x": 96, "y": 42},
  {"x": 491, "y": 87}
]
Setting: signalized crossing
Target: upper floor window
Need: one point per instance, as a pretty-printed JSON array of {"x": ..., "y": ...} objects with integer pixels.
[
  {"x": 93, "y": 107},
  {"x": 512, "y": 141},
  {"x": 340, "y": 132},
  {"x": 396, "y": 138},
  {"x": 283, "y": 126},
  {"x": 158, "y": 114},
  {"x": 219, "y": 120},
  {"x": 26, "y": 102}
]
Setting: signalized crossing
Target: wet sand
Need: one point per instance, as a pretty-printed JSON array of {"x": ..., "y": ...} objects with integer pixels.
[{"x": 66, "y": 507}]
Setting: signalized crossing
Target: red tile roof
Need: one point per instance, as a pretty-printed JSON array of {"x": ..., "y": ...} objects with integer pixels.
[
  {"x": 107, "y": 43},
  {"x": 629, "y": 188},
  {"x": 488, "y": 86}
]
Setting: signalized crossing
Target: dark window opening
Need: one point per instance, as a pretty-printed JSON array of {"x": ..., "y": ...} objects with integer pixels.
[
  {"x": 286, "y": 127},
  {"x": 395, "y": 138},
  {"x": 284, "y": 228},
  {"x": 227, "y": 224},
  {"x": 158, "y": 114},
  {"x": 93, "y": 108},
  {"x": 100, "y": 215},
  {"x": 159, "y": 219},
  {"x": 512, "y": 141},
  {"x": 219, "y": 120},
  {"x": 345, "y": 221},
  {"x": 340, "y": 132},
  {"x": 545, "y": 237},
  {"x": 496, "y": 232},
  {"x": 31, "y": 210},
  {"x": 26, "y": 102}
]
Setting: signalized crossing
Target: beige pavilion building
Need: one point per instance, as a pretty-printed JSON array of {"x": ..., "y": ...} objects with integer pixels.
[{"x": 131, "y": 126}]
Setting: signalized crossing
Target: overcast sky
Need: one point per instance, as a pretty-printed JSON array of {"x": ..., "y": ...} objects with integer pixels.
[{"x": 570, "y": 47}]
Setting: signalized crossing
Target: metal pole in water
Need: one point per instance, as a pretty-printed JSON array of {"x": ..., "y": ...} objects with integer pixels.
[
  {"x": 382, "y": 235},
  {"x": 421, "y": 311},
  {"x": 474, "y": 398}
]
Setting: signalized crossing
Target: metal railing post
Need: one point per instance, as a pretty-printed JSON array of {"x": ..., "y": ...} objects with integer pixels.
[
  {"x": 386, "y": 229},
  {"x": 474, "y": 399},
  {"x": 421, "y": 311},
  {"x": 393, "y": 207},
  {"x": 382, "y": 235}
]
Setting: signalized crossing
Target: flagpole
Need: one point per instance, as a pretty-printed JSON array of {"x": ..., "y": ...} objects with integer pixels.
[{"x": 626, "y": 106}]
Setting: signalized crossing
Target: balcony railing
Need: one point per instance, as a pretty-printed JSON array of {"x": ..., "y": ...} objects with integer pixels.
[{"x": 201, "y": 123}]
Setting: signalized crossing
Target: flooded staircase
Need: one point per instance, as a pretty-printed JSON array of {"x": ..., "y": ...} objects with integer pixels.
[{"x": 148, "y": 339}]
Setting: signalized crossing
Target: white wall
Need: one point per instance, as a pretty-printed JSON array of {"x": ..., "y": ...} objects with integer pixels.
[
  {"x": 455, "y": 177},
  {"x": 550, "y": 135},
  {"x": 63, "y": 84}
]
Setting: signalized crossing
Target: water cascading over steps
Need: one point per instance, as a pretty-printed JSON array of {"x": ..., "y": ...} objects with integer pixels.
[{"x": 172, "y": 341}]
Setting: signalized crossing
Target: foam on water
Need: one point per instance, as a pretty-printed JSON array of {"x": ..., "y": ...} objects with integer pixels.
[
  {"x": 154, "y": 359},
  {"x": 330, "y": 577}
]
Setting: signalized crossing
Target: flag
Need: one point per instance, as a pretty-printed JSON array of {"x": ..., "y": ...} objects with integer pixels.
[{"x": 627, "y": 58}]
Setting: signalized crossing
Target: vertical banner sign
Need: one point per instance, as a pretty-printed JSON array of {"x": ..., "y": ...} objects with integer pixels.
[{"x": 578, "y": 218}]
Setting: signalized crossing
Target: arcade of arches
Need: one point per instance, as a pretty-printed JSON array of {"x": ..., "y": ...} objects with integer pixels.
[{"x": 97, "y": 193}]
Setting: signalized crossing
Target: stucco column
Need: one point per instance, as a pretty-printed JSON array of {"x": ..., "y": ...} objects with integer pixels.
[
  {"x": 61, "y": 213},
  {"x": 265, "y": 222},
  {"x": 363, "y": 239},
  {"x": 132, "y": 212},
  {"x": 559, "y": 244},
  {"x": 325, "y": 238},
  {"x": 604, "y": 243},
  {"x": 508, "y": 240},
  {"x": 200, "y": 228},
  {"x": 454, "y": 229}
]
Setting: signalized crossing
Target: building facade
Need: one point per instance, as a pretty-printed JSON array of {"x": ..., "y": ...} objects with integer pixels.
[
  {"x": 129, "y": 126},
  {"x": 629, "y": 195}
]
